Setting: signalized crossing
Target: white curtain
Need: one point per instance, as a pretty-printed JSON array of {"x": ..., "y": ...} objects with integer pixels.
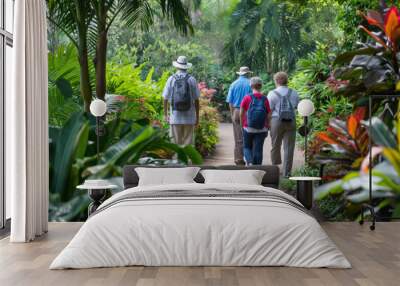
[{"x": 27, "y": 124}]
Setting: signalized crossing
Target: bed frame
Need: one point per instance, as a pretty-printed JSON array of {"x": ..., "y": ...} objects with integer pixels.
[{"x": 270, "y": 179}]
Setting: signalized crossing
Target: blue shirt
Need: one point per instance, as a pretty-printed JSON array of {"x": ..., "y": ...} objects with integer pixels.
[{"x": 238, "y": 90}]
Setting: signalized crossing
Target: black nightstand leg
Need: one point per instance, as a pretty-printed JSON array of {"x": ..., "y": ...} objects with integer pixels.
[
  {"x": 305, "y": 193},
  {"x": 97, "y": 197}
]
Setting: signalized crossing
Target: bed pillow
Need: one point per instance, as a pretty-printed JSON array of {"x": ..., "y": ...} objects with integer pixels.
[
  {"x": 166, "y": 176},
  {"x": 247, "y": 177}
]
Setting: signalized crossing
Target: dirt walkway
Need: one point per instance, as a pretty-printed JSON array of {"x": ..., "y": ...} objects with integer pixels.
[{"x": 223, "y": 154}]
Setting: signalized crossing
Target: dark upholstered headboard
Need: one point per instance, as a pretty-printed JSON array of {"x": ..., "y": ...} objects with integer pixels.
[{"x": 271, "y": 177}]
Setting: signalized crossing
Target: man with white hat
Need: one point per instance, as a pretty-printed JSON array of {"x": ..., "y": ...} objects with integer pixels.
[
  {"x": 237, "y": 91},
  {"x": 181, "y": 103}
]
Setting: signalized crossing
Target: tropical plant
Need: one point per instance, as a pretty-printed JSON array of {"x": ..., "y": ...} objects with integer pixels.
[
  {"x": 74, "y": 19},
  {"x": 73, "y": 157},
  {"x": 266, "y": 35},
  {"x": 63, "y": 84},
  {"x": 345, "y": 142},
  {"x": 311, "y": 75},
  {"x": 140, "y": 98},
  {"x": 374, "y": 67},
  {"x": 206, "y": 134},
  {"x": 347, "y": 19},
  {"x": 354, "y": 187},
  {"x": 134, "y": 14},
  {"x": 311, "y": 80},
  {"x": 87, "y": 23}
]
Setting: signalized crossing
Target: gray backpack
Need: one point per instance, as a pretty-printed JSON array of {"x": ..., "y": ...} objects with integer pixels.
[
  {"x": 181, "y": 98},
  {"x": 286, "y": 110}
]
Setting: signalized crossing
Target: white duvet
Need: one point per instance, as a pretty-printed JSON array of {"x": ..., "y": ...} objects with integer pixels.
[{"x": 200, "y": 231}]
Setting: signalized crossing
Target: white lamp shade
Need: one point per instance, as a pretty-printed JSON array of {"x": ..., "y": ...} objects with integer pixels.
[
  {"x": 98, "y": 107},
  {"x": 306, "y": 107}
]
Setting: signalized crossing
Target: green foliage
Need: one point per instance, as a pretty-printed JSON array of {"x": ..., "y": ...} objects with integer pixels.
[
  {"x": 140, "y": 98},
  {"x": 63, "y": 85},
  {"x": 162, "y": 52},
  {"x": 331, "y": 208},
  {"x": 69, "y": 144},
  {"x": 310, "y": 80},
  {"x": 345, "y": 142},
  {"x": 266, "y": 35},
  {"x": 158, "y": 47},
  {"x": 353, "y": 189},
  {"x": 374, "y": 68},
  {"x": 349, "y": 20},
  {"x": 87, "y": 24},
  {"x": 72, "y": 159},
  {"x": 287, "y": 185},
  {"x": 306, "y": 171},
  {"x": 206, "y": 135}
]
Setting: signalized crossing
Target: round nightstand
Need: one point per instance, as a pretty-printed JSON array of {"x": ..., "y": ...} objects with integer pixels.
[
  {"x": 304, "y": 193},
  {"x": 97, "y": 190}
]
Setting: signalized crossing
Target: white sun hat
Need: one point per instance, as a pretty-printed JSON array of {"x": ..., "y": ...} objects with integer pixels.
[
  {"x": 244, "y": 70},
  {"x": 182, "y": 63}
]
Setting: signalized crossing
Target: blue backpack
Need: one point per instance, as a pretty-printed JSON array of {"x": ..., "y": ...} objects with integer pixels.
[{"x": 257, "y": 112}]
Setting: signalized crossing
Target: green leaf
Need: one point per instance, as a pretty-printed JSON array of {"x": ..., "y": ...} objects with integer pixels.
[
  {"x": 396, "y": 211},
  {"x": 332, "y": 188},
  {"x": 363, "y": 196},
  {"x": 380, "y": 133},
  {"x": 194, "y": 156},
  {"x": 71, "y": 143},
  {"x": 125, "y": 145},
  {"x": 69, "y": 210},
  {"x": 394, "y": 158}
]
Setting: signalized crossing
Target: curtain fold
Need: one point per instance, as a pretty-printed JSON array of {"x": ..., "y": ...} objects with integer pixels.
[{"x": 27, "y": 156}]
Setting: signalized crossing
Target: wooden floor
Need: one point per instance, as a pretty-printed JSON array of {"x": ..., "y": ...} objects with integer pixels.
[{"x": 375, "y": 257}]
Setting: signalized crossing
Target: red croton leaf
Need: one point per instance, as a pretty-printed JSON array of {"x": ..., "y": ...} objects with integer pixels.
[
  {"x": 352, "y": 124},
  {"x": 375, "y": 37},
  {"x": 392, "y": 24},
  {"x": 353, "y": 121},
  {"x": 360, "y": 112},
  {"x": 324, "y": 136},
  {"x": 375, "y": 18}
]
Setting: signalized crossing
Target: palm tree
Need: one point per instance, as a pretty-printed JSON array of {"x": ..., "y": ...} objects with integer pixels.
[
  {"x": 73, "y": 18},
  {"x": 135, "y": 13},
  {"x": 87, "y": 22},
  {"x": 265, "y": 35}
]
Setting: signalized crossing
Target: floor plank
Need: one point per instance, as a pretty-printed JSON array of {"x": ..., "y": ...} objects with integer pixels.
[{"x": 375, "y": 257}]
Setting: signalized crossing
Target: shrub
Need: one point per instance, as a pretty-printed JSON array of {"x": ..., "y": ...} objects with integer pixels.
[
  {"x": 141, "y": 98},
  {"x": 206, "y": 135}
]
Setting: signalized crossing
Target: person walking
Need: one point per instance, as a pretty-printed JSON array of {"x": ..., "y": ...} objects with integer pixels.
[
  {"x": 255, "y": 115},
  {"x": 181, "y": 103},
  {"x": 283, "y": 102},
  {"x": 237, "y": 91}
]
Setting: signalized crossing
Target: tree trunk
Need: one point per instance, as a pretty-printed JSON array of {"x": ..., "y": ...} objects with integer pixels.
[
  {"x": 101, "y": 51},
  {"x": 101, "y": 65},
  {"x": 83, "y": 51},
  {"x": 85, "y": 88}
]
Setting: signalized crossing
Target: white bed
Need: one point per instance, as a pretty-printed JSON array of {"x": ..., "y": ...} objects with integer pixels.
[{"x": 207, "y": 230}]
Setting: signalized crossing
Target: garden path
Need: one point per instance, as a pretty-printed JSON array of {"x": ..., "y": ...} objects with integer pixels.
[{"x": 223, "y": 154}]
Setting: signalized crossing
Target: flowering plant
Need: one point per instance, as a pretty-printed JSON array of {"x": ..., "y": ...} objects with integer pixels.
[{"x": 206, "y": 92}]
